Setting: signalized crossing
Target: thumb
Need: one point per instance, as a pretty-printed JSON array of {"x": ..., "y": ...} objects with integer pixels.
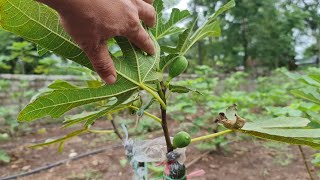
[{"x": 102, "y": 62}]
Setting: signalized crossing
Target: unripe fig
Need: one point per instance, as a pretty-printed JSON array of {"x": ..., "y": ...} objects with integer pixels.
[
  {"x": 181, "y": 140},
  {"x": 178, "y": 66}
]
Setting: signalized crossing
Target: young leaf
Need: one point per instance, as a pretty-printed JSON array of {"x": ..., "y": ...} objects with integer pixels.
[
  {"x": 158, "y": 6},
  {"x": 163, "y": 29},
  {"x": 209, "y": 28},
  {"x": 188, "y": 38},
  {"x": 181, "y": 89}
]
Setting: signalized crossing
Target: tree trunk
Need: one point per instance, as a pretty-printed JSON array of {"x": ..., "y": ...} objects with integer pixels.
[
  {"x": 245, "y": 44},
  {"x": 200, "y": 54},
  {"x": 318, "y": 44}
]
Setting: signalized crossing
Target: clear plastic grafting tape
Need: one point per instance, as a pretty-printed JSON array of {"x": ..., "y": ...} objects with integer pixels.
[{"x": 154, "y": 150}]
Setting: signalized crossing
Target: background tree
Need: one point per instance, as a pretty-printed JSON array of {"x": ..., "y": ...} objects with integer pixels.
[{"x": 255, "y": 34}]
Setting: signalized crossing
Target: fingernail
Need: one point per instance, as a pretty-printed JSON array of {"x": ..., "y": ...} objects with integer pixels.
[
  {"x": 152, "y": 51},
  {"x": 110, "y": 79}
]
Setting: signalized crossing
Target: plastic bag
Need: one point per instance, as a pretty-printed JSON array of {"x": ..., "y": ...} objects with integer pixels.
[{"x": 154, "y": 150}]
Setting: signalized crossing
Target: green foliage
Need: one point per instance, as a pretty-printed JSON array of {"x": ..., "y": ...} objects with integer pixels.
[
  {"x": 132, "y": 75},
  {"x": 139, "y": 72},
  {"x": 4, "y": 137},
  {"x": 21, "y": 57},
  {"x": 258, "y": 104},
  {"x": 162, "y": 28},
  {"x": 220, "y": 142},
  {"x": 309, "y": 91},
  {"x": 4, "y": 157},
  {"x": 249, "y": 35},
  {"x": 93, "y": 175},
  {"x": 284, "y": 129},
  {"x": 190, "y": 36},
  {"x": 27, "y": 18},
  {"x": 316, "y": 160}
]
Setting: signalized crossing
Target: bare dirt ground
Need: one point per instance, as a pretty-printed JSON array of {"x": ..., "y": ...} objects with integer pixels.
[{"x": 248, "y": 159}]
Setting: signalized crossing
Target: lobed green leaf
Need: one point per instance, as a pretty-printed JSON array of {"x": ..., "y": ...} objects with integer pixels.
[
  {"x": 162, "y": 28},
  {"x": 289, "y": 140},
  {"x": 284, "y": 129},
  {"x": 40, "y": 24},
  {"x": 58, "y": 102}
]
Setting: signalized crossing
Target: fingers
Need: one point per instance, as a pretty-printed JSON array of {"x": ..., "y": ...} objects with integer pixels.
[
  {"x": 147, "y": 12},
  {"x": 141, "y": 39},
  {"x": 102, "y": 62}
]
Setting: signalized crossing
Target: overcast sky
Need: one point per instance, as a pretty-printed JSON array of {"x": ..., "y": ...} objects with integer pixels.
[{"x": 183, "y": 4}]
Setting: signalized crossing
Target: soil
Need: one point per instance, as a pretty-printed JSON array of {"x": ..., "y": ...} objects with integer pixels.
[{"x": 245, "y": 159}]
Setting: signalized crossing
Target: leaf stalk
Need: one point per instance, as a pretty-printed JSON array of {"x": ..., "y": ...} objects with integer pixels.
[
  {"x": 164, "y": 124},
  {"x": 155, "y": 95},
  {"x": 211, "y": 136},
  {"x": 148, "y": 114}
]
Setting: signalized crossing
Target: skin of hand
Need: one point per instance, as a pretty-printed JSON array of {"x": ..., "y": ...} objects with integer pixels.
[{"x": 91, "y": 22}]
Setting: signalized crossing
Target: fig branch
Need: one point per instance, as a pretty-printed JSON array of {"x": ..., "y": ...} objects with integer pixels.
[{"x": 162, "y": 93}]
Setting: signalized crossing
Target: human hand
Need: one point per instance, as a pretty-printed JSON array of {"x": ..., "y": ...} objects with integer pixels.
[{"x": 91, "y": 22}]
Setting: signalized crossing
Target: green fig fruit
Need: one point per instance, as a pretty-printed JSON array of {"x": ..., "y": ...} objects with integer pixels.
[
  {"x": 178, "y": 66},
  {"x": 181, "y": 140}
]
